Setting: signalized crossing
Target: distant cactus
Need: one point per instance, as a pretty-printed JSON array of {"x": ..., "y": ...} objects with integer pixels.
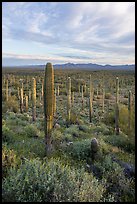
[
  {"x": 21, "y": 100},
  {"x": 69, "y": 98},
  {"x": 103, "y": 99},
  {"x": 129, "y": 110},
  {"x": 117, "y": 107},
  {"x": 82, "y": 97},
  {"x": 7, "y": 90},
  {"x": 90, "y": 99},
  {"x": 33, "y": 99},
  {"x": 48, "y": 104}
]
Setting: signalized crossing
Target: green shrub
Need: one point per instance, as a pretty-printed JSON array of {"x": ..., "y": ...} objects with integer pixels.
[
  {"x": 7, "y": 134},
  {"x": 31, "y": 131},
  {"x": 50, "y": 182},
  {"x": 80, "y": 150},
  {"x": 8, "y": 160},
  {"x": 108, "y": 96}
]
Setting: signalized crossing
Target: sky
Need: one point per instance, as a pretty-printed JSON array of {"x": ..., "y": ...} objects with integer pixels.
[{"x": 68, "y": 32}]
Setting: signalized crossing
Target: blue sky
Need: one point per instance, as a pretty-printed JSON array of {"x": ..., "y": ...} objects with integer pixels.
[{"x": 61, "y": 32}]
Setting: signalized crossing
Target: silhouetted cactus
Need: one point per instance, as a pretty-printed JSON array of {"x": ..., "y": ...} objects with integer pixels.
[
  {"x": 33, "y": 99},
  {"x": 69, "y": 98},
  {"x": 48, "y": 104},
  {"x": 117, "y": 107}
]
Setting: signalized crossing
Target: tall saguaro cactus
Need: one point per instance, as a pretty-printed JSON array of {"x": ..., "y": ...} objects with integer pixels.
[
  {"x": 103, "y": 99},
  {"x": 26, "y": 97},
  {"x": 55, "y": 101},
  {"x": 21, "y": 100},
  {"x": 129, "y": 110},
  {"x": 90, "y": 99},
  {"x": 48, "y": 104},
  {"x": 33, "y": 99},
  {"x": 117, "y": 107},
  {"x": 82, "y": 96},
  {"x": 69, "y": 98}
]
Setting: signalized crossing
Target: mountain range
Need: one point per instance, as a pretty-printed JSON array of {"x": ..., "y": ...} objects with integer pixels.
[{"x": 88, "y": 66}]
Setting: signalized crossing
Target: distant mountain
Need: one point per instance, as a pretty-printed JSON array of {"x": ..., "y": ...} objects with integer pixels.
[
  {"x": 95, "y": 66},
  {"x": 88, "y": 66}
]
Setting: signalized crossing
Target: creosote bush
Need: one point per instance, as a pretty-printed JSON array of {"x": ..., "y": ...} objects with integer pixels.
[
  {"x": 11, "y": 105},
  {"x": 31, "y": 131},
  {"x": 50, "y": 182}
]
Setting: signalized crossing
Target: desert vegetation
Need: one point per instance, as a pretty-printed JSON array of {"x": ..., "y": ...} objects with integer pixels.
[{"x": 68, "y": 135}]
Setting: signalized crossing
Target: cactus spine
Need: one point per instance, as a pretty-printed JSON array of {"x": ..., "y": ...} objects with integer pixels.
[
  {"x": 129, "y": 111},
  {"x": 90, "y": 99},
  {"x": 33, "y": 99},
  {"x": 69, "y": 98},
  {"x": 117, "y": 107},
  {"x": 7, "y": 90},
  {"x": 48, "y": 104}
]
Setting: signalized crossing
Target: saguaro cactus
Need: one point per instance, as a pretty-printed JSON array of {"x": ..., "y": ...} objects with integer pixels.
[
  {"x": 73, "y": 97},
  {"x": 69, "y": 98},
  {"x": 129, "y": 110},
  {"x": 103, "y": 99},
  {"x": 55, "y": 101},
  {"x": 90, "y": 99},
  {"x": 21, "y": 100},
  {"x": 48, "y": 104},
  {"x": 58, "y": 90},
  {"x": 42, "y": 88},
  {"x": 82, "y": 100},
  {"x": 7, "y": 94},
  {"x": 26, "y": 97},
  {"x": 33, "y": 99},
  {"x": 117, "y": 107}
]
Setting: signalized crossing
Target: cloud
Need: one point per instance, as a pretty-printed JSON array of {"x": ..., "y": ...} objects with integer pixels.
[{"x": 97, "y": 28}]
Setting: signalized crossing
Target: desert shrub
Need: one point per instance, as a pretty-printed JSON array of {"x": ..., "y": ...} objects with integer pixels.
[
  {"x": 8, "y": 159},
  {"x": 109, "y": 118},
  {"x": 73, "y": 130},
  {"x": 84, "y": 128},
  {"x": 11, "y": 105},
  {"x": 7, "y": 134},
  {"x": 31, "y": 131},
  {"x": 57, "y": 137},
  {"x": 50, "y": 182},
  {"x": 80, "y": 150},
  {"x": 121, "y": 141},
  {"x": 107, "y": 95}
]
